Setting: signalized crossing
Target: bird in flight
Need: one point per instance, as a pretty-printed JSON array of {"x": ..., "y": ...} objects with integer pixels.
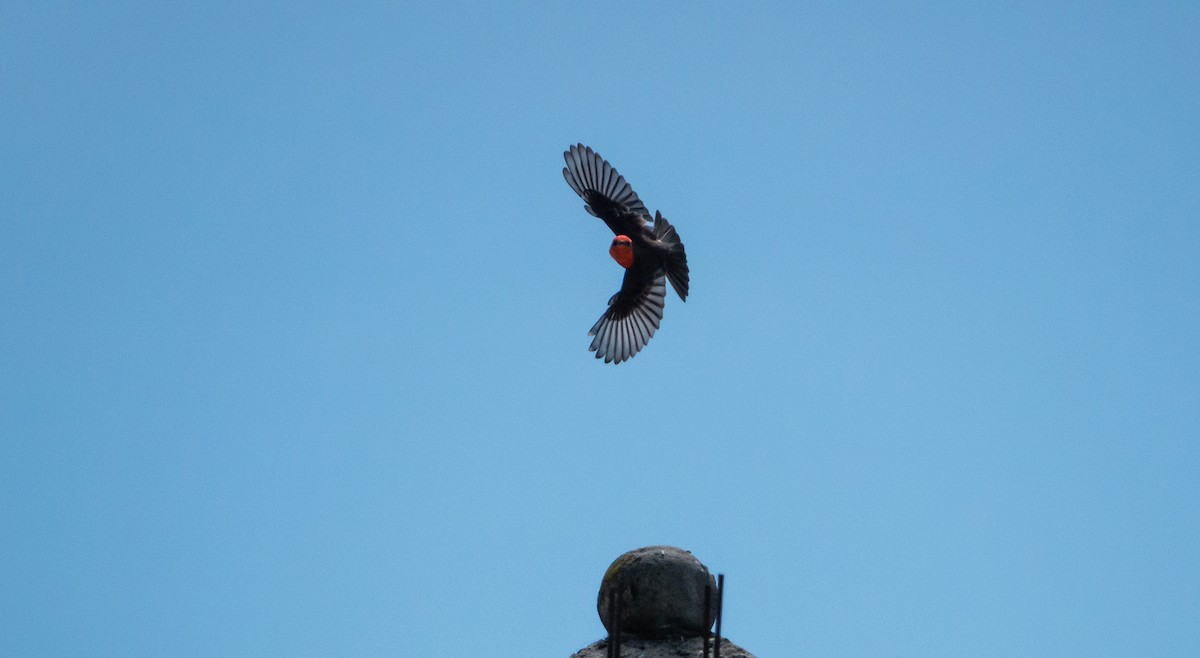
[{"x": 651, "y": 254}]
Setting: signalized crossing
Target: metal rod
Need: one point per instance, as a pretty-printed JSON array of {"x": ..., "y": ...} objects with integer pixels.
[
  {"x": 617, "y": 622},
  {"x": 720, "y": 601},
  {"x": 612, "y": 604},
  {"x": 707, "y": 617}
]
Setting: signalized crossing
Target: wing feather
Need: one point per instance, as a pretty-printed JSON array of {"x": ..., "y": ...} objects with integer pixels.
[
  {"x": 629, "y": 322},
  {"x": 604, "y": 190}
]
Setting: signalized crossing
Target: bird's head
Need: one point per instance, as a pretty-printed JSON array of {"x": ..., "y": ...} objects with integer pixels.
[{"x": 622, "y": 251}]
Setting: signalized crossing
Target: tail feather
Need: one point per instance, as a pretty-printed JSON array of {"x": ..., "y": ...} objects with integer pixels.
[{"x": 677, "y": 267}]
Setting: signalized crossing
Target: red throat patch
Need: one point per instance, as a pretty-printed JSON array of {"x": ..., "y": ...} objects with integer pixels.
[{"x": 622, "y": 251}]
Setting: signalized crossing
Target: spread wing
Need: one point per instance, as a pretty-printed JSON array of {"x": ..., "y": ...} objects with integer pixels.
[
  {"x": 632, "y": 317},
  {"x": 605, "y": 191}
]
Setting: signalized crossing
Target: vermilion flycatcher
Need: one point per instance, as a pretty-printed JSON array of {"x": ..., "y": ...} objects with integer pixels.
[{"x": 650, "y": 254}]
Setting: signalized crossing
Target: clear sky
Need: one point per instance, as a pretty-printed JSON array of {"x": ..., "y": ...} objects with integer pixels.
[{"x": 295, "y": 302}]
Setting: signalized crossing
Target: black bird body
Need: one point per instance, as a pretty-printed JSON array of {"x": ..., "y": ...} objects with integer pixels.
[{"x": 650, "y": 253}]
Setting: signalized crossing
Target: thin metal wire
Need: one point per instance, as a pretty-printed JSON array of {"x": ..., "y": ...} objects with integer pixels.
[
  {"x": 612, "y": 603},
  {"x": 617, "y": 622},
  {"x": 707, "y": 617},
  {"x": 720, "y": 599}
]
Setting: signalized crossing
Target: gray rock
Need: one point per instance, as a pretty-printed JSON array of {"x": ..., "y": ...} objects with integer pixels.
[{"x": 661, "y": 591}]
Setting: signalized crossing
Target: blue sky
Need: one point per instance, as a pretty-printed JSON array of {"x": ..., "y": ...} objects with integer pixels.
[{"x": 296, "y": 300}]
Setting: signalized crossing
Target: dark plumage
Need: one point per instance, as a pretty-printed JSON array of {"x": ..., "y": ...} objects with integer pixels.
[{"x": 652, "y": 255}]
